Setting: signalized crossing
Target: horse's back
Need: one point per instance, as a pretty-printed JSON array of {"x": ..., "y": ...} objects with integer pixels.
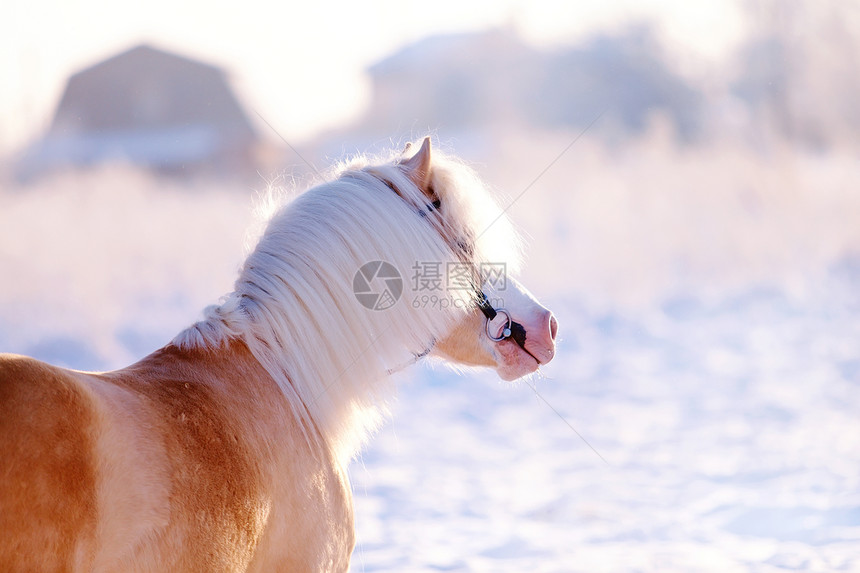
[
  {"x": 48, "y": 508},
  {"x": 167, "y": 465},
  {"x": 138, "y": 469}
]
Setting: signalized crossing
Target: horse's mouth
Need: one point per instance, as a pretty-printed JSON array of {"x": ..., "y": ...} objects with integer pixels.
[
  {"x": 511, "y": 353},
  {"x": 535, "y": 358}
]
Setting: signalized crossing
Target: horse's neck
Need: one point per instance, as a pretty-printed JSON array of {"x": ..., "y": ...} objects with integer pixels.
[
  {"x": 230, "y": 377},
  {"x": 336, "y": 403},
  {"x": 228, "y": 367}
]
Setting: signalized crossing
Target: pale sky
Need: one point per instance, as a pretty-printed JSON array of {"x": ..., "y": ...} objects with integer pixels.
[{"x": 301, "y": 65}]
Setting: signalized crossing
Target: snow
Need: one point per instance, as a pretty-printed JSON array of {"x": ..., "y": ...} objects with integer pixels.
[
  {"x": 709, "y": 352},
  {"x": 731, "y": 437}
]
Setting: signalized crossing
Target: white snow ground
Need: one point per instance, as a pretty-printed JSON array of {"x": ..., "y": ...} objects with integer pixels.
[
  {"x": 729, "y": 418},
  {"x": 730, "y": 432}
]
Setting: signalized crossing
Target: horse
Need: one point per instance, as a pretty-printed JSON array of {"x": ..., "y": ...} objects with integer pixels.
[{"x": 226, "y": 450}]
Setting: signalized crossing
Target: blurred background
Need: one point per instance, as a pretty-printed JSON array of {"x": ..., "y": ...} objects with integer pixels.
[{"x": 687, "y": 178}]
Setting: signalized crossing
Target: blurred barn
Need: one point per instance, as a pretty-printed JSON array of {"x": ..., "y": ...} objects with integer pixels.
[{"x": 148, "y": 108}]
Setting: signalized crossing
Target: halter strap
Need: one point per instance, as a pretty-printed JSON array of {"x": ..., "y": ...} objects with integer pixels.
[
  {"x": 514, "y": 330},
  {"x": 415, "y": 358},
  {"x": 484, "y": 304}
]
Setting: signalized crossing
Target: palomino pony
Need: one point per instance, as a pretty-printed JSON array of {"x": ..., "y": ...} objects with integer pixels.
[{"x": 226, "y": 449}]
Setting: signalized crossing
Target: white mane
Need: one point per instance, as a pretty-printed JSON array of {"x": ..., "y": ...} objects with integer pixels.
[{"x": 294, "y": 306}]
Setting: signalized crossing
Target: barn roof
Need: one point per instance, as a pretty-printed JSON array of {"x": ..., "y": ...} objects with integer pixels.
[
  {"x": 148, "y": 107},
  {"x": 146, "y": 88}
]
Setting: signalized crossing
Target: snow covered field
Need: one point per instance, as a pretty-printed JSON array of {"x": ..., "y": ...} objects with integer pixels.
[
  {"x": 731, "y": 435},
  {"x": 709, "y": 309}
]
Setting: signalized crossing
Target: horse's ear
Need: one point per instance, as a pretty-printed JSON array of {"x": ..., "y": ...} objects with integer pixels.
[{"x": 417, "y": 167}]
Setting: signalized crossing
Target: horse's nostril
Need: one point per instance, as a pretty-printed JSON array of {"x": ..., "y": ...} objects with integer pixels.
[{"x": 553, "y": 326}]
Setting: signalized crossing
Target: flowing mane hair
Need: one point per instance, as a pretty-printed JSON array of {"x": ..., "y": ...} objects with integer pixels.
[{"x": 293, "y": 304}]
